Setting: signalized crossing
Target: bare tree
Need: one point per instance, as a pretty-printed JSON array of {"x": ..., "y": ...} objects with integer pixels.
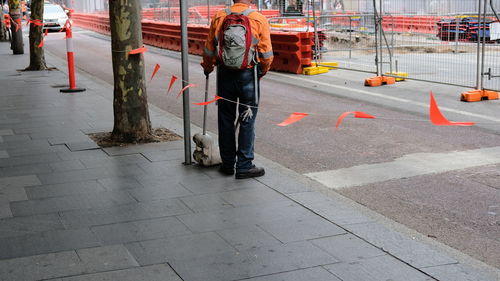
[
  {"x": 15, "y": 13},
  {"x": 3, "y": 34},
  {"x": 37, "y": 57},
  {"x": 131, "y": 114}
]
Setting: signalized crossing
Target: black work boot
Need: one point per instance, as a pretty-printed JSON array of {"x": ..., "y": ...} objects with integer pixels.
[
  {"x": 225, "y": 170},
  {"x": 251, "y": 173}
]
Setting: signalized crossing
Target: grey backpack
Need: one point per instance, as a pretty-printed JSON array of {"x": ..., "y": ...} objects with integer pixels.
[{"x": 236, "y": 49}]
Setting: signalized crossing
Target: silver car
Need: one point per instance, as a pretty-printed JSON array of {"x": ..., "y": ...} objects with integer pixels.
[{"x": 54, "y": 17}]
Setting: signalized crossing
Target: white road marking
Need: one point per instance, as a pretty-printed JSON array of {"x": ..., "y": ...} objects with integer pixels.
[
  {"x": 407, "y": 166},
  {"x": 386, "y": 97}
]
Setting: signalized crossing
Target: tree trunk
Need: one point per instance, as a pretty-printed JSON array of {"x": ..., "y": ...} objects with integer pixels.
[
  {"x": 131, "y": 115},
  {"x": 3, "y": 35},
  {"x": 37, "y": 57},
  {"x": 16, "y": 27}
]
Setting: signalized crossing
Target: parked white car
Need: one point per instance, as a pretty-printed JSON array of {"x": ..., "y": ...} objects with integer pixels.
[{"x": 54, "y": 17}]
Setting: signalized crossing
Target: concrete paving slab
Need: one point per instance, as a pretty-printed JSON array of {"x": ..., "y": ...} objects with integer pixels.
[
  {"x": 205, "y": 202},
  {"x": 120, "y": 183},
  {"x": 243, "y": 216},
  {"x": 69, "y": 165},
  {"x": 160, "y": 272},
  {"x": 167, "y": 155},
  {"x": 376, "y": 269},
  {"x": 16, "y": 138},
  {"x": 329, "y": 208},
  {"x": 20, "y": 226},
  {"x": 4, "y": 154},
  {"x": 41, "y": 267},
  {"x": 459, "y": 272},
  {"x": 72, "y": 202},
  {"x": 411, "y": 251},
  {"x": 114, "y": 161},
  {"x": 255, "y": 262},
  {"x": 46, "y": 242},
  {"x": 186, "y": 247},
  {"x": 123, "y": 213},
  {"x": 347, "y": 248},
  {"x": 158, "y": 193},
  {"x": 89, "y": 174},
  {"x": 219, "y": 184},
  {"x": 105, "y": 258},
  {"x": 6, "y": 132},
  {"x": 82, "y": 145},
  {"x": 248, "y": 237},
  {"x": 63, "y": 189},
  {"x": 298, "y": 229},
  {"x": 135, "y": 149},
  {"x": 309, "y": 274},
  {"x": 29, "y": 169},
  {"x": 140, "y": 230},
  {"x": 252, "y": 196}
]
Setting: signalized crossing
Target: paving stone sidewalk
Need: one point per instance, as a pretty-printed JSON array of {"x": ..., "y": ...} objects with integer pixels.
[{"x": 72, "y": 211}]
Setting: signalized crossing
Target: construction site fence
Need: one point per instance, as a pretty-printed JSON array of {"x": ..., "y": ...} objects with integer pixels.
[
  {"x": 292, "y": 50},
  {"x": 435, "y": 48}
]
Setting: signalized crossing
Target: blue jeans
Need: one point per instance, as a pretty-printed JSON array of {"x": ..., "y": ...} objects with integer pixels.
[{"x": 236, "y": 85}]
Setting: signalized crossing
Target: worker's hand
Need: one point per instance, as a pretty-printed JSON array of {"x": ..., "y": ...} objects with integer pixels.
[
  {"x": 207, "y": 72},
  {"x": 260, "y": 71}
]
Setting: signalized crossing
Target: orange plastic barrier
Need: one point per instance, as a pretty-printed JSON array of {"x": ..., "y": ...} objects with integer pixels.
[{"x": 292, "y": 50}]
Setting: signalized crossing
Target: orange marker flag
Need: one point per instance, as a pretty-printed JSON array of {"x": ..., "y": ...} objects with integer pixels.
[
  {"x": 41, "y": 44},
  {"x": 357, "y": 114},
  {"x": 18, "y": 24},
  {"x": 183, "y": 89},
  {"x": 35, "y": 22},
  {"x": 172, "y": 81},
  {"x": 294, "y": 117},
  {"x": 438, "y": 119},
  {"x": 138, "y": 51},
  {"x": 46, "y": 32},
  {"x": 208, "y": 102},
  {"x": 157, "y": 67}
]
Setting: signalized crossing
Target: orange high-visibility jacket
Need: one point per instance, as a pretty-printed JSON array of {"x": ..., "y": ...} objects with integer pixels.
[{"x": 260, "y": 31}]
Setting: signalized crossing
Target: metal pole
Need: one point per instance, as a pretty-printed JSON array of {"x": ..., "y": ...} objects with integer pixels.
[
  {"x": 185, "y": 79},
  {"x": 457, "y": 23},
  {"x": 381, "y": 36},
  {"x": 350, "y": 37},
  {"x": 478, "y": 63},
  {"x": 316, "y": 39},
  {"x": 484, "y": 43},
  {"x": 208, "y": 12},
  {"x": 376, "y": 35}
]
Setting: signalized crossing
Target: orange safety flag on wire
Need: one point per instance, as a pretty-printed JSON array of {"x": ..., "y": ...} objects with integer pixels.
[
  {"x": 172, "y": 81},
  {"x": 294, "y": 117},
  {"x": 46, "y": 32},
  {"x": 138, "y": 51},
  {"x": 357, "y": 114},
  {"x": 183, "y": 89},
  {"x": 35, "y": 22},
  {"x": 18, "y": 24},
  {"x": 438, "y": 119},
  {"x": 157, "y": 67},
  {"x": 208, "y": 102},
  {"x": 41, "y": 44}
]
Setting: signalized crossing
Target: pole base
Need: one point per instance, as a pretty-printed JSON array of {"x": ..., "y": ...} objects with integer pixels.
[{"x": 74, "y": 90}]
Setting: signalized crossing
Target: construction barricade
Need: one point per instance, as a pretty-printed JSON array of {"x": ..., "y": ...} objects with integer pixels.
[{"x": 292, "y": 50}]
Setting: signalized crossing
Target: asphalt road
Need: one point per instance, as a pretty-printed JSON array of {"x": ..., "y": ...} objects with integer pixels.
[{"x": 460, "y": 208}]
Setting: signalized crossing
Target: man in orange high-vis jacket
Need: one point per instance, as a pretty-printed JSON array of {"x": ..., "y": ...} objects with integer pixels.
[{"x": 240, "y": 90}]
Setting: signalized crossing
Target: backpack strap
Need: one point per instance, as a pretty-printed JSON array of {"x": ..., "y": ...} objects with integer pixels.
[{"x": 245, "y": 12}]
